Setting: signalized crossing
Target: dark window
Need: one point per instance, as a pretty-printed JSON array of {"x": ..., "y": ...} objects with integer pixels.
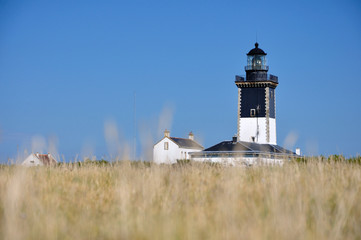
[{"x": 253, "y": 112}]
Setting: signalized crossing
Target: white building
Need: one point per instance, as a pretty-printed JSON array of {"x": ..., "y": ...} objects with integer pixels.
[
  {"x": 170, "y": 149},
  {"x": 239, "y": 153},
  {"x": 36, "y": 159}
]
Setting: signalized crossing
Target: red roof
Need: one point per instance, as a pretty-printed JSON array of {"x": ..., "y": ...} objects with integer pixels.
[{"x": 46, "y": 159}]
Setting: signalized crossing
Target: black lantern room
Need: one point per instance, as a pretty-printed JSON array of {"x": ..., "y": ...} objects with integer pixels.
[{"x": 256, "y": 60}]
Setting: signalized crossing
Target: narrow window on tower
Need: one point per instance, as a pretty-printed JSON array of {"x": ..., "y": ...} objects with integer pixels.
[
  {"x": 166, "y": 146},
  {"x": 253, "y": 112}
]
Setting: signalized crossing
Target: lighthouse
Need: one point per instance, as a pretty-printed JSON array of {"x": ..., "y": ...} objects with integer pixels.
[
  {"x": 256, "y": 140},
  {"x": 256, "y": 115}
]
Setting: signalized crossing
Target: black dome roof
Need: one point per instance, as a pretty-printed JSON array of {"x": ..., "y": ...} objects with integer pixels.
[{"x": 256, "y": 51}]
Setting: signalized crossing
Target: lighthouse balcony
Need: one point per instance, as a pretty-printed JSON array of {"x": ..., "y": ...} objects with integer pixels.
[{"x": 257, "y": 77}]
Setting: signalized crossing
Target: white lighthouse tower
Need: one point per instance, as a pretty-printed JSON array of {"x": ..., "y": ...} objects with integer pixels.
[{"x": 256, "y": 120}]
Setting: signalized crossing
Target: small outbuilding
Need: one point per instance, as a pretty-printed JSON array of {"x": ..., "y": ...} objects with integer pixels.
[
  {"x": 170, "y": 149},
  {"x": 36, "y": 159}
]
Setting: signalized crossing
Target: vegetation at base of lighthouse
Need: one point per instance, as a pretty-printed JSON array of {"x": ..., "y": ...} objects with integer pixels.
[{"x": 308, "y": 198}]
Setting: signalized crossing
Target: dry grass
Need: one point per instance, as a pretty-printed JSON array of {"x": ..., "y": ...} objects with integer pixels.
[{"x": 317, "y": 200}]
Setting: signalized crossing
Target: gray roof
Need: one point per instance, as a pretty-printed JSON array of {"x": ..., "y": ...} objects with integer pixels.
[
  {"x": 230, "y": 146},
  {"x": 187, "y": 143}
]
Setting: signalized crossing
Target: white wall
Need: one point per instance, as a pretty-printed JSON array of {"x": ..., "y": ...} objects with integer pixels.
[
  {"x": 165, "y": 156},
  {"x": 248, "y": 129},
  {"x": 272, "y": 131},
  {"x": 241, "y": 161},
  {"x": 171, "y": 155},
  {"x": 32, "y": 160}
]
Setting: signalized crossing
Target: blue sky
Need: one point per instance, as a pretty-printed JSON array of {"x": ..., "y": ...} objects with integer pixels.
[{"x": 69, "y": 71}]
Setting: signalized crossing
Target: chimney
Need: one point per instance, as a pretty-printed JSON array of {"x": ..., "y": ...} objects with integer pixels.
[
  {"x": 191, "y": 136},
  {"x": 298, "y": 151},
  {"x": 166, "y": 133},
  {"x": 37, "y": 154},
  {"x": 235, "y": 139}
]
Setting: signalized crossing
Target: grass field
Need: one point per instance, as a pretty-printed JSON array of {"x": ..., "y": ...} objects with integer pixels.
[{"x": 313, "y": 200}]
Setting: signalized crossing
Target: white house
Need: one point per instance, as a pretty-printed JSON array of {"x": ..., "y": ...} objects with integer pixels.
[
  {"x": 170, "y": 149},
  {"x": 36, "y": 159}
]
